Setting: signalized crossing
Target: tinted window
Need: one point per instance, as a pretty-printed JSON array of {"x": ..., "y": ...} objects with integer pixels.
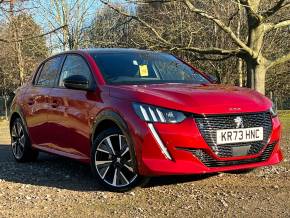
[
  {"x": 145, "y": 67},
  {"x": 74, "y": 65},
  {"x": 37, "y": 74},
  {"x": 49, "y": 72}
]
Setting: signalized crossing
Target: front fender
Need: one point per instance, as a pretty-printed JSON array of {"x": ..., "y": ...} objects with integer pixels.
[{"x": 110, "y": 115}]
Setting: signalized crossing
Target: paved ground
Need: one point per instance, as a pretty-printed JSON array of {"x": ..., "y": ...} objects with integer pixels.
[{"x": 54, "y": 186}]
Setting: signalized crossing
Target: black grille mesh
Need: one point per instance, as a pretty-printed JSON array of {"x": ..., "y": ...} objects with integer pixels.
[
  {"x": 208, "y": 126},
  {"x": 210, "y": 162}
]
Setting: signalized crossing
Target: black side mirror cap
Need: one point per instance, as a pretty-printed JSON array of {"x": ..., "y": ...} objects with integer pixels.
[
  {"x": 214, "y": 79},
  {"x": 78, "y": 82}
]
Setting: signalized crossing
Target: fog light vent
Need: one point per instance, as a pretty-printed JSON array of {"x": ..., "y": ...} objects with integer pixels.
[{"x": 209, "y": 161}]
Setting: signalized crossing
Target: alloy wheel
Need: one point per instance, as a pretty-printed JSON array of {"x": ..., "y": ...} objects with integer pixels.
[
  {"x": 17, "y": 140},
  {"x": 113, "y": 161}
]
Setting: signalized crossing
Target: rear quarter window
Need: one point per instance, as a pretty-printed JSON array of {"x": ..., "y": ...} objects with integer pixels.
[{"x": 47, "y": 74}]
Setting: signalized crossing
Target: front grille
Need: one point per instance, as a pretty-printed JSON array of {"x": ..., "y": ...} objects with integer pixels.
[
  {"x": 208, "y": 161},
  {"x": 209, "y": 124}
]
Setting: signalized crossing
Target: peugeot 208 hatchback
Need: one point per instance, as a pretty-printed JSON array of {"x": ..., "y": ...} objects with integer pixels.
[{"x": 134, "y": 114}]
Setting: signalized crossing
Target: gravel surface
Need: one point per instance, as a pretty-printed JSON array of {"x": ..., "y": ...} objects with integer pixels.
[{"x": 55, "y": 186}]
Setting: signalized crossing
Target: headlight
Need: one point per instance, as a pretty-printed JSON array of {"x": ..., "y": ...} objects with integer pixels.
[
  {"x": 273, "y": 110},
  {"x": 156, "y": 114}
]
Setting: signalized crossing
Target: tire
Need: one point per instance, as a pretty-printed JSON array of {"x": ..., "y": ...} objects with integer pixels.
[
  {"x": 20, "y": 143},
  {"x": 112, "y": 162}
]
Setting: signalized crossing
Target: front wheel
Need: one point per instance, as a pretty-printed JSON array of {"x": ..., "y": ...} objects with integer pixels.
[{"x": 112, "y": 162}]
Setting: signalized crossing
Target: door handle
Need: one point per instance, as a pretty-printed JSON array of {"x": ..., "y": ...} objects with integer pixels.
[
  {"x": 55, "y": 104},
  {"x": 30, "y": 101}
]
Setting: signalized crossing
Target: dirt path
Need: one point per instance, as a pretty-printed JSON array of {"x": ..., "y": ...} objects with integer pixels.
[
  {"x": 55, "y": 186},
  {"x": 4, "y": 132}
]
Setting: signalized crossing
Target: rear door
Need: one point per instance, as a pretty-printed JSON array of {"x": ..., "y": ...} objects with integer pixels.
[
  {"x": 69, "y": 117},
  {"x": 36, "y": 99}
]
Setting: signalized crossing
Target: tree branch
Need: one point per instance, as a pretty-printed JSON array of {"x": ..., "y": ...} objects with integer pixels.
[
  {"x": 169, "y": 45},
  {"x": 149, "y": 1},
  {"x": 209, "y": 58},
  {"x": 200, "y": 12},
  {"x": 278, "y": 6},
  {"x": 280, "y": 60},
  {"x": 118, "y": 10},
  {"x": 208, "y": 51},
  {"x": 281, "y": 24},
  {"x": 32, "y": 37},
  {"x": 220, "y": 24},
  {"x": 251, "y": 8}
]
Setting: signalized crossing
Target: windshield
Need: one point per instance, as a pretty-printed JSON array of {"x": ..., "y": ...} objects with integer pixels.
[{"x": 145, "y": 68}]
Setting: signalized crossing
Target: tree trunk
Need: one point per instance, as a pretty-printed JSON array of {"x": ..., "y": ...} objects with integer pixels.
[
  {"x": 256, "y": 63},
  {"x": 256, "y": 75},
  {"x": 4, "y": 96},
  {"x": 17, "y": 46},
  {"x": 240, "y": 60},
  {"x": 20, "y": 62},
  {"x": 260, "y": 75},
  {"x": 251, "y": 66},
  {"x": 6, "y": 107},
  {"x": 240, "y": 71}
]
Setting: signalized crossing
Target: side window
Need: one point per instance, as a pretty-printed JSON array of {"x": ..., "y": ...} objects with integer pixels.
[
  {"x": 37, "y": 74},
  {"x": 49, "y": 72},
  {"x": 74, "y": 65}
]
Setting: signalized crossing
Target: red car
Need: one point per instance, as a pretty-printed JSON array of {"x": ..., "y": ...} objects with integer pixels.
[{"x": 134, "y": 114}]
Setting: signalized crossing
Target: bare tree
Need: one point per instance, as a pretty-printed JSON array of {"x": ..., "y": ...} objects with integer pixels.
[
  {"x": 260, "y": 22},
  {"x": 18, "y": 32},
  {"x": 32, "y": 51},
  {"x": 72, "y": 15},
  {"x": 109, "y": 29}
]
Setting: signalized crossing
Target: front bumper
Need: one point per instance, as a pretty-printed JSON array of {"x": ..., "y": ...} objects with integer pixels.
[{"x": 184, "y": 138}]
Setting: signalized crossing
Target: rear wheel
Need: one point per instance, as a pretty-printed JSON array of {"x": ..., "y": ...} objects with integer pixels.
[
  {"x": 112, "y": 162},
  {"x": 20, "y": 143}
]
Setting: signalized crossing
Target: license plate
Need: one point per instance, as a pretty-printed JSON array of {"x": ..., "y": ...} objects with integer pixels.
[{"x": 227, "y": 136}]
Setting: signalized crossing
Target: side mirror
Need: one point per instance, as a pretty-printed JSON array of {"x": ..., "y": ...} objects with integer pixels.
[
  {"x": 214, "y": 79},
  {"x": 78, "y": 82}
]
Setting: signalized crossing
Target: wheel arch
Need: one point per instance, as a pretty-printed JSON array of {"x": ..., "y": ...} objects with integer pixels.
[
  {"x": 106, "y": 119},
  {"x": 14, "y": 115},
  {"x": 109, "y": 118},
  {"x": 17, "y": 113}
]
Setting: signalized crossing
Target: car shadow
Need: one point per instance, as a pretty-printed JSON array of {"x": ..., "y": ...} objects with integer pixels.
[
  {"x": 176, "y": 179},
  {"x": 63, "y": 173},
  {"x": 49, "y": 170}
]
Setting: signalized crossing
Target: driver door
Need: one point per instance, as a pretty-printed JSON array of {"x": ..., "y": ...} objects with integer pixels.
[{"x": 69, "y": 117}]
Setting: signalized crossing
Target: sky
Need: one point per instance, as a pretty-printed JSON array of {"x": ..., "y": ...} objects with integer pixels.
[
  {"x": 41, "y": 13},
  {"x": 44, "y": 14}
]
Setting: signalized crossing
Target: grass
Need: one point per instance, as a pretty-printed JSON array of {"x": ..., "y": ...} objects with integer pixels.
[
  {"x": 285, "y": 139},
  {"x": 284, "y": 115},
  {"x": 285, "y": 120}
]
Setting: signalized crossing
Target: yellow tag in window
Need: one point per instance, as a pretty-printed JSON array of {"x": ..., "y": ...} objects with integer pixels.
[{"x": 143, "y": 70}]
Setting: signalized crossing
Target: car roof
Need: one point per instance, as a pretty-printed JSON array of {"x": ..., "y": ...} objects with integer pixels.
[
  {"x": 110, "y": 50},
  {"x": 116, "y": 50},
  {"x": 91, "y": 51}
]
